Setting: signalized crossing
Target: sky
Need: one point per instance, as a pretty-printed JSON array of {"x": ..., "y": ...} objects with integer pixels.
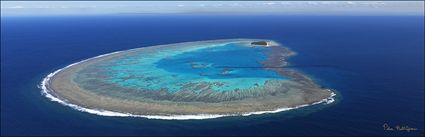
[{"x": 30, "y": 8}]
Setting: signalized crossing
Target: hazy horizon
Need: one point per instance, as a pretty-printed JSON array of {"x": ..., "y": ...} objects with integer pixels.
[{"x": 31, "y": 8}]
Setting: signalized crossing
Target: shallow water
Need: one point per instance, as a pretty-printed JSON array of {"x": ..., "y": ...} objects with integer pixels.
[{"x": 231, "y": 66}]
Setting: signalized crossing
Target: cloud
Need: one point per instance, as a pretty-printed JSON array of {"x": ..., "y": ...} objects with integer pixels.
[
  {"x": 269, "y": 3},
  {"x": 16, "y": 7}
]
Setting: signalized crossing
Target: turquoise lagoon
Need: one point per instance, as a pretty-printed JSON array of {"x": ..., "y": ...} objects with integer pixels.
[{"x": 220, "y": 67}]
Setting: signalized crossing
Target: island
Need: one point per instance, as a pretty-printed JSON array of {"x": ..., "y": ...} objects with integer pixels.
[
  {"x": 263, "y": 43},
  {"x": 189, "y": 80}
]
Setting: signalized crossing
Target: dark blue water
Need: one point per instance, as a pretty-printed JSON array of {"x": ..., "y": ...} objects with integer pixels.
[{"x": 375, "y": 63}]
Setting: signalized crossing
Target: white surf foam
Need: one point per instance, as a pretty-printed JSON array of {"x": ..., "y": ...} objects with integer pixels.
[{"x": 50, "y": 95}]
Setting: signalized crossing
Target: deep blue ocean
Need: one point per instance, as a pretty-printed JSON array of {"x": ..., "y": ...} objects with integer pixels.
[{"x": 375, "y": 63}]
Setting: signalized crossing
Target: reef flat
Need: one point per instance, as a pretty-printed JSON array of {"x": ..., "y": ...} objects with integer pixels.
[{"x": 216, "y": 77}]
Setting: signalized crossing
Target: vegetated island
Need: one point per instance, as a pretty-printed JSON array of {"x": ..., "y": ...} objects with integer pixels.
[{"x": 190, "y": 80}]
